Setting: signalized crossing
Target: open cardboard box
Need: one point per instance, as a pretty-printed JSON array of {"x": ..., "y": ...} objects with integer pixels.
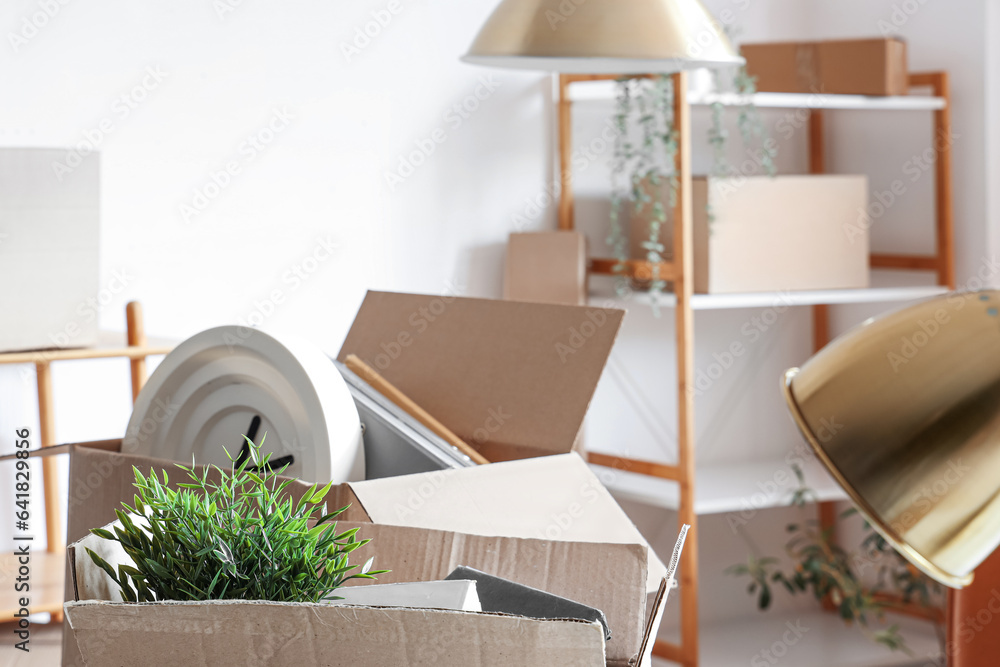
[
  {"x": 512, "y": 379},
  {"x": 566, "y": 536}
]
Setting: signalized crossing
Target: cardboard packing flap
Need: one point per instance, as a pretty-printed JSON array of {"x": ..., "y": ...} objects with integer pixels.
[
  {"x": 549, "y": 498},
  {"x": 512, "y": 379},
  {"x": 609, "y": 577},
  {"x": 246, "y": 634}
]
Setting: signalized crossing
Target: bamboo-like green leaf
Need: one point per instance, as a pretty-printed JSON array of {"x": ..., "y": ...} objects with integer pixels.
[{"x": 241, "y": 538}]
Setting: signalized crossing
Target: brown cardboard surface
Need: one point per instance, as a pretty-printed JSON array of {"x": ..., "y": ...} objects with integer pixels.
[
  {"x": 595, "y": 571},
  {"x": 846, "y": 67},
  {"x": 610, "y": 577},
  {"x": 546, "y": 267},
  {"x": 512, "y": 379},
  {"x": 247, "y": 634},
  {"x": 552, "y": 498}
]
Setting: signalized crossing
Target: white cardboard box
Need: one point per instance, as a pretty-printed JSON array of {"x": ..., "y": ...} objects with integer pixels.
[{"x": 49, "y": 224}]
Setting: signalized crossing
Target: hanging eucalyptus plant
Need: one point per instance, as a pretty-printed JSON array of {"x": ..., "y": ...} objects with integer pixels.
[
  {"x": 645, "y": 151},
  {"x": 648, "y": 106}
]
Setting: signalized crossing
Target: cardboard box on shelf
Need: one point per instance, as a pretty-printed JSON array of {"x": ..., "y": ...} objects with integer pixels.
[
  {"x": 783, "y": 233},
  {"x": 835, "y": 67},
  {"x": 546, "y": 267},
  {"x": 49, "y": 249},
  {"x": 567, "y": 536},
  {"x": 512, "y": 379},
  {"x": 780, "y": 233}
]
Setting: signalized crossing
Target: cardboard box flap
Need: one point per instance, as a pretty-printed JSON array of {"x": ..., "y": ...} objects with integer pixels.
[
  {"x": 209, "y": 634},
  {"x": 549, "y": 498},
  {"x": 512, "y": 379},
  {"x": 609, "y": 577}
]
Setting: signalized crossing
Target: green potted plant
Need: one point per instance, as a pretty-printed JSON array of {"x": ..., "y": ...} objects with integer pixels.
[
  {"x": 241, "y": 538},
  {"x": 835, "y": 576}
]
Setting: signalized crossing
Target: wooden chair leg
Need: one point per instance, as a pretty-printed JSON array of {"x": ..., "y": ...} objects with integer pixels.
[{"x": 50, "y": 472}]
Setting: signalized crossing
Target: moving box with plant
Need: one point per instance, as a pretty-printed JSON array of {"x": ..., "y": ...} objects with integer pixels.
[{"x": 241, "y": 538}]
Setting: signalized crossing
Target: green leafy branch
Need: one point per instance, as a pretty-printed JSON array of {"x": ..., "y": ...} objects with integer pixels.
[
  {"x": 828, "y": 572},
  {"x": 240, "y": 538}
]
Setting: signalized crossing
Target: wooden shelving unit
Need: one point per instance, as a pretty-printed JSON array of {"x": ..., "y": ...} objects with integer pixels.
[
  {"x": 48, "y": 567},
  {"x": 682, "y": 486}
]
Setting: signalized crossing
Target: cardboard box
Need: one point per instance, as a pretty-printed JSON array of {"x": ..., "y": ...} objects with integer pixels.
[
  {"x": 774, "y": 234},
  {"x": 566, "y": 536},
  {"x": 780, "y": 233},
  {"x": 546, "y": 267},
  {"x": 49, "y": 223},
  {"x": 837, "y": 67},
  {"x": 512, "y": 379}
]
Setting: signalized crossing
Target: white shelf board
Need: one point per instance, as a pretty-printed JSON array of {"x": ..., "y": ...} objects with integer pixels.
[
  {"x": 771, "y": 299},
  {"x": 604, "y": 91},
  {"x": 826, "y": 643},
  {"x": 730, "y": 487}
]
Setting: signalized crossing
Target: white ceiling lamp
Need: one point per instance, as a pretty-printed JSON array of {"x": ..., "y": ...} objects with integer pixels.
[{"x": 602, "y": 37}]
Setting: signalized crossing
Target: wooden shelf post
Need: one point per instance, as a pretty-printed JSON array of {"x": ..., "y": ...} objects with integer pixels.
[{"x": 684, "y": 290}]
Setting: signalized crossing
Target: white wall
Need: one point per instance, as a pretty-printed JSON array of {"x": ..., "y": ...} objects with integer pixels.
[
  {"x": 441, "y": 230},
  {"x": 219, "y": 77},
  {"x": 992, "y": 84}
]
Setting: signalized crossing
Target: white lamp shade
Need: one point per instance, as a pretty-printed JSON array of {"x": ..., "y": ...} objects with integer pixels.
[{"x": 602, "y": 37}]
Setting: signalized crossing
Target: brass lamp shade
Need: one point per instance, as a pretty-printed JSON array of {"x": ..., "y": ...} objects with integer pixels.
[
  {"x": 602, "y": 37},
  {"x": 904, "y": 411}
]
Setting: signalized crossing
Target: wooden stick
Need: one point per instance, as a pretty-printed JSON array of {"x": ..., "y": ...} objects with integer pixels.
[
  {"x": 50, "y": 473},
  {"x": 639, "y": 269},
  {"x": 913, "y": 262},
  {"x": 684, "y": 324},
  {"x": 45, "y": 356},
  {"x": 387, "y": 389},
  {"x": 661, "y": 470},
  {"x": 136, "y": 338},
  {"x": 565, "y": 155}
]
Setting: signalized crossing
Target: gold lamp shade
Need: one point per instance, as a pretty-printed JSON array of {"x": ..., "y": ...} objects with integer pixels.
[
  {"x": 602, "y": 37},
  {"x": 904, "y": 411}
]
